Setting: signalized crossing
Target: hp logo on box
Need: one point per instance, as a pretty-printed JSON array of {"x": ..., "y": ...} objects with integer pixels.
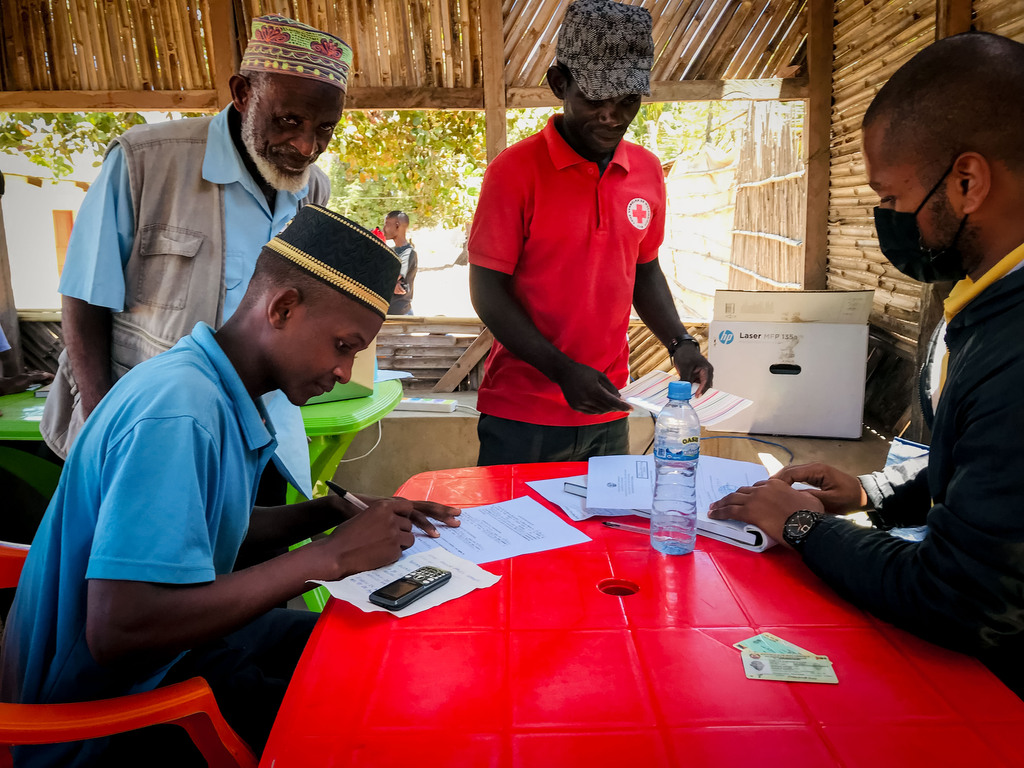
[{"x": 726, "y": 337}]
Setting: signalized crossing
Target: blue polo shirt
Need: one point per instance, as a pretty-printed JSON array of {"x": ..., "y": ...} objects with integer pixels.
[
  {"x": 158, "y": 487},
  {"x": 104, "y": 233}
]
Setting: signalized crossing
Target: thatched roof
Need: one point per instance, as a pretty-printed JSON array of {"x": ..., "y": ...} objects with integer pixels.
[{"x": 61, "y": 55}]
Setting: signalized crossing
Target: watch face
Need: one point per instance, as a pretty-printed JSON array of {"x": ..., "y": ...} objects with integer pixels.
[{"x": 799, "y": 525}]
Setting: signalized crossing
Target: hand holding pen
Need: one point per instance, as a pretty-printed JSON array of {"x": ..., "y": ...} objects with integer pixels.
[{"x": 421, "y": 510}]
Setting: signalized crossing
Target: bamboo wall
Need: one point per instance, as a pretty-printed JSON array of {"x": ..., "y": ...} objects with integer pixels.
[
  {"x": 693, "y": 39},
  {"x": 93, "y": 45},
  {"x": 433, "y": 43},
  {"x": 1005, "y": 17},
  {"x": 696, "y": 251},
  {"x": 771, "y": 193},
  {"x": 872, "y": 40}
]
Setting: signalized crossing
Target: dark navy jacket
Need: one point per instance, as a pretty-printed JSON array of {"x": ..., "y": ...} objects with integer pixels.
[{"x": 963, "y": 586}]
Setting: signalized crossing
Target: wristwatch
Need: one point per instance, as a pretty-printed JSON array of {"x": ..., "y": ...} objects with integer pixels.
[
  {"x": 673, "y": 345},
  {"x": 799, "y": 526}
]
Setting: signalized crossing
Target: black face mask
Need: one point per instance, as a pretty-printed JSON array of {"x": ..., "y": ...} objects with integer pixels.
[{"x": 900, "y": 240}]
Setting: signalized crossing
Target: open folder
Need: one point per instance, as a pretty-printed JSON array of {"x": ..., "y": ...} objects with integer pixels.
[{"x": 628, "y": 482}]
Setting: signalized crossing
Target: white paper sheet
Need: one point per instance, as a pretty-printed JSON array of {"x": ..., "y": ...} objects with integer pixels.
[
  {"x": 575, "y": 506},
  {"x": 510, "y": 528},
  {"x": 466, "y": 577},
  {"x": 650, "y": 392},
  {"x": 620, "y": 482}
]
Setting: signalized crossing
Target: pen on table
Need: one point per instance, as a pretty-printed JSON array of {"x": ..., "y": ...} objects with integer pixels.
[
  {"x": 349, "y": 497},
  {"x": 626, "y": 527}
]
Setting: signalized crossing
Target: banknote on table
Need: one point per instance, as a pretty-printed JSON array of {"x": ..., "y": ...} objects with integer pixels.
[
  {"x": 766, "y": 642},
  {"x": 788, "y": 667}
]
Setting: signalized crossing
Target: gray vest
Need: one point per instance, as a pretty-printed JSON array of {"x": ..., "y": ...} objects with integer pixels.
[{"x": 175, "y": 274}]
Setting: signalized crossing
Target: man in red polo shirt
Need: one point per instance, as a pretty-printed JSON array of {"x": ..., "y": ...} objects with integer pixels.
[{"x": 564, "y": 239}]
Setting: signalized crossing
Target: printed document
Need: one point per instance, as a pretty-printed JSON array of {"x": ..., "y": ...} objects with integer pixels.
[
  {"x": 466, "y": 577},
  {"x": 573, "y": 505},
  {"x": 496, "y": 531},
  {"x": 717, "y": 478},
  {"x": 620, "y": 482},
  {"x": 627, "y": 483}
]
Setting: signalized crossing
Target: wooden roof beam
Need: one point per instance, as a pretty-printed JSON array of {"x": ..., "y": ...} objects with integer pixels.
[
  {"x": 393, "y": 97},
  {"x": 773, "y": 89},
  {"x": 109, "y": 101}
]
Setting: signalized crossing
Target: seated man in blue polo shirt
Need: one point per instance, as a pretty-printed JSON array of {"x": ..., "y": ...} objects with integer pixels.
[{"x": 129, "y": 583}]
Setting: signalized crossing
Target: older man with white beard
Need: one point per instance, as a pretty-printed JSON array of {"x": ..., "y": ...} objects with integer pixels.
[{"x": 169, "y": 233}]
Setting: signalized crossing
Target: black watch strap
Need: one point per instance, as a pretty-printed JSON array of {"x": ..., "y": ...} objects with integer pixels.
[{"x": 678, "y": 341}]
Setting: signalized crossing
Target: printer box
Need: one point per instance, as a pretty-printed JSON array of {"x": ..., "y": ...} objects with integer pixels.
[
  {"x": 364, "y": 370},
  {"x": 800, "y": 356}
]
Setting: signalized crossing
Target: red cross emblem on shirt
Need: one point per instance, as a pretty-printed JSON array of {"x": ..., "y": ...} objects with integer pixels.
[{"x": 639, "y": 212}]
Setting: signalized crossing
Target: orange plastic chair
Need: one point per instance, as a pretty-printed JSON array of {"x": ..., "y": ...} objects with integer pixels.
[{"x": 189, "y": 704}]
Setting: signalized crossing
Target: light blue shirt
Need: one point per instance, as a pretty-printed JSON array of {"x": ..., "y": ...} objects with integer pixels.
[
  {"x": 158, "y": 487},
  {"x": 4, "y": 344},
  {"x": 104, "y": 233}
]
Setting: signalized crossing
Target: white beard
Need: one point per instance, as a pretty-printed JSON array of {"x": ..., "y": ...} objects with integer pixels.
[{"x": 276, "y": 178}]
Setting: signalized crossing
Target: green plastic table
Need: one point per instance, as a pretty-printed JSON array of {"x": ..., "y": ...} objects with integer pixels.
[
  {"x": 331, "y": 427},
  {"x": 21, "y": 415}
]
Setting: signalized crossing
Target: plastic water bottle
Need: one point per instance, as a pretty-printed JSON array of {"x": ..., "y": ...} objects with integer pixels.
[{"x": 676, "y": 450}]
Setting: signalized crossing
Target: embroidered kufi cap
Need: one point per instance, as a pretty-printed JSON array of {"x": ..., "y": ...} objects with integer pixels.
[
  {"x": 607, "y": 47},
  {"x": 342, "y": 254},
  {"x": 288, "y": 47}
]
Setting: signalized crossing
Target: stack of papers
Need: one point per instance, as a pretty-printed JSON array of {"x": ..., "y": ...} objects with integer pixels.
[
  {"x": 624, "y": 485},
  {"x": 651, "y": 393}
]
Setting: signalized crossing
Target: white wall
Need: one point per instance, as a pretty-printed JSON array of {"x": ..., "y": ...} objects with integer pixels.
[{"x": 28, "y": 219}]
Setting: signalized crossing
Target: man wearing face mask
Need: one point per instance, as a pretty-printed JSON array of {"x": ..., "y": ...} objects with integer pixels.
[
  {"x": 564, "y": 238},
  {"x": 946, "y": 157},
  {"x": 169, "y": 233}
]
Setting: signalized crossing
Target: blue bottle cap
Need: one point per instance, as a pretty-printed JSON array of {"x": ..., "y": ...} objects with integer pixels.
[{"x": 679, "y": 390}]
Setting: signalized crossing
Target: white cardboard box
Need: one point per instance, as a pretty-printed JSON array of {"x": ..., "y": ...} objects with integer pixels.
[{"x": 801, "y": 356}]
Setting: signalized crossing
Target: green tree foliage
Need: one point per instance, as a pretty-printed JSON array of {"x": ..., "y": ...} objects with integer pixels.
[
  {"x": 52, "y": 140},
  {"x": 429, "y": 164}
]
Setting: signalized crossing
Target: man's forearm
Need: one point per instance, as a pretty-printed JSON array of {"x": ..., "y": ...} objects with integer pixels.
[
  {"x": 271, "y": 528},
  {"x": 86, "y": 330},
  {"x": 168, "y": 619},
  {"x": 653, "y": 302},
  {"x": 505, "y": 318}
]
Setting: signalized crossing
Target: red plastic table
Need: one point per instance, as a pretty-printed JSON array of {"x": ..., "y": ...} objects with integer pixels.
[{"x": 546, "y": 670}]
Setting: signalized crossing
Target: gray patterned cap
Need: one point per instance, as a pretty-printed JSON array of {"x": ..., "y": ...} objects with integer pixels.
[{"x": 607, "y": 47}]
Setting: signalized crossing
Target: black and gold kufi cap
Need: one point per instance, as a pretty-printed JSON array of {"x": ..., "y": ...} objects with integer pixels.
[{"x": 342, "y": 254}]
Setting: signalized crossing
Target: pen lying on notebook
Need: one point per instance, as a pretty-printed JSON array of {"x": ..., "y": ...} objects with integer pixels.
[
  {"x": 350, "y": 498},
  {"x": 627, "y": 527}
]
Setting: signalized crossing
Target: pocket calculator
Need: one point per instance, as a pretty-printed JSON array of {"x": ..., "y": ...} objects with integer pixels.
[{"x": 400, "y": 592}]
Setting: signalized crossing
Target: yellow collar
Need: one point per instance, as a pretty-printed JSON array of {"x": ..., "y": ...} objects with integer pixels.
[{"x": 965, "y": 291}]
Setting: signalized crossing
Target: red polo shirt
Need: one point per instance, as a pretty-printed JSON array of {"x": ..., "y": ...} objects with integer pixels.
[{"x": 571, "y": 239}]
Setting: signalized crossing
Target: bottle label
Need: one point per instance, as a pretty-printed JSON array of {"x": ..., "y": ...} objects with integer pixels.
[{"x": 688, "y": 450}]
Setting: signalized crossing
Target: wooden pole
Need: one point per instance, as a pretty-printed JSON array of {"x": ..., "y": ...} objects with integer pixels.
[
  {"x": 817, "y": 130},
  {"x": 493, "y": 41},
  {"x": 952, "y": 17},
  {"x": 8, "y": 312},
  {"x": 221, "y": 48}
]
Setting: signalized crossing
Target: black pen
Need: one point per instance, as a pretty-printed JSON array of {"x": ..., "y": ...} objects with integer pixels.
[
  {"x": 350, "y": 498},
  {"x": 627, "y": 527}
]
